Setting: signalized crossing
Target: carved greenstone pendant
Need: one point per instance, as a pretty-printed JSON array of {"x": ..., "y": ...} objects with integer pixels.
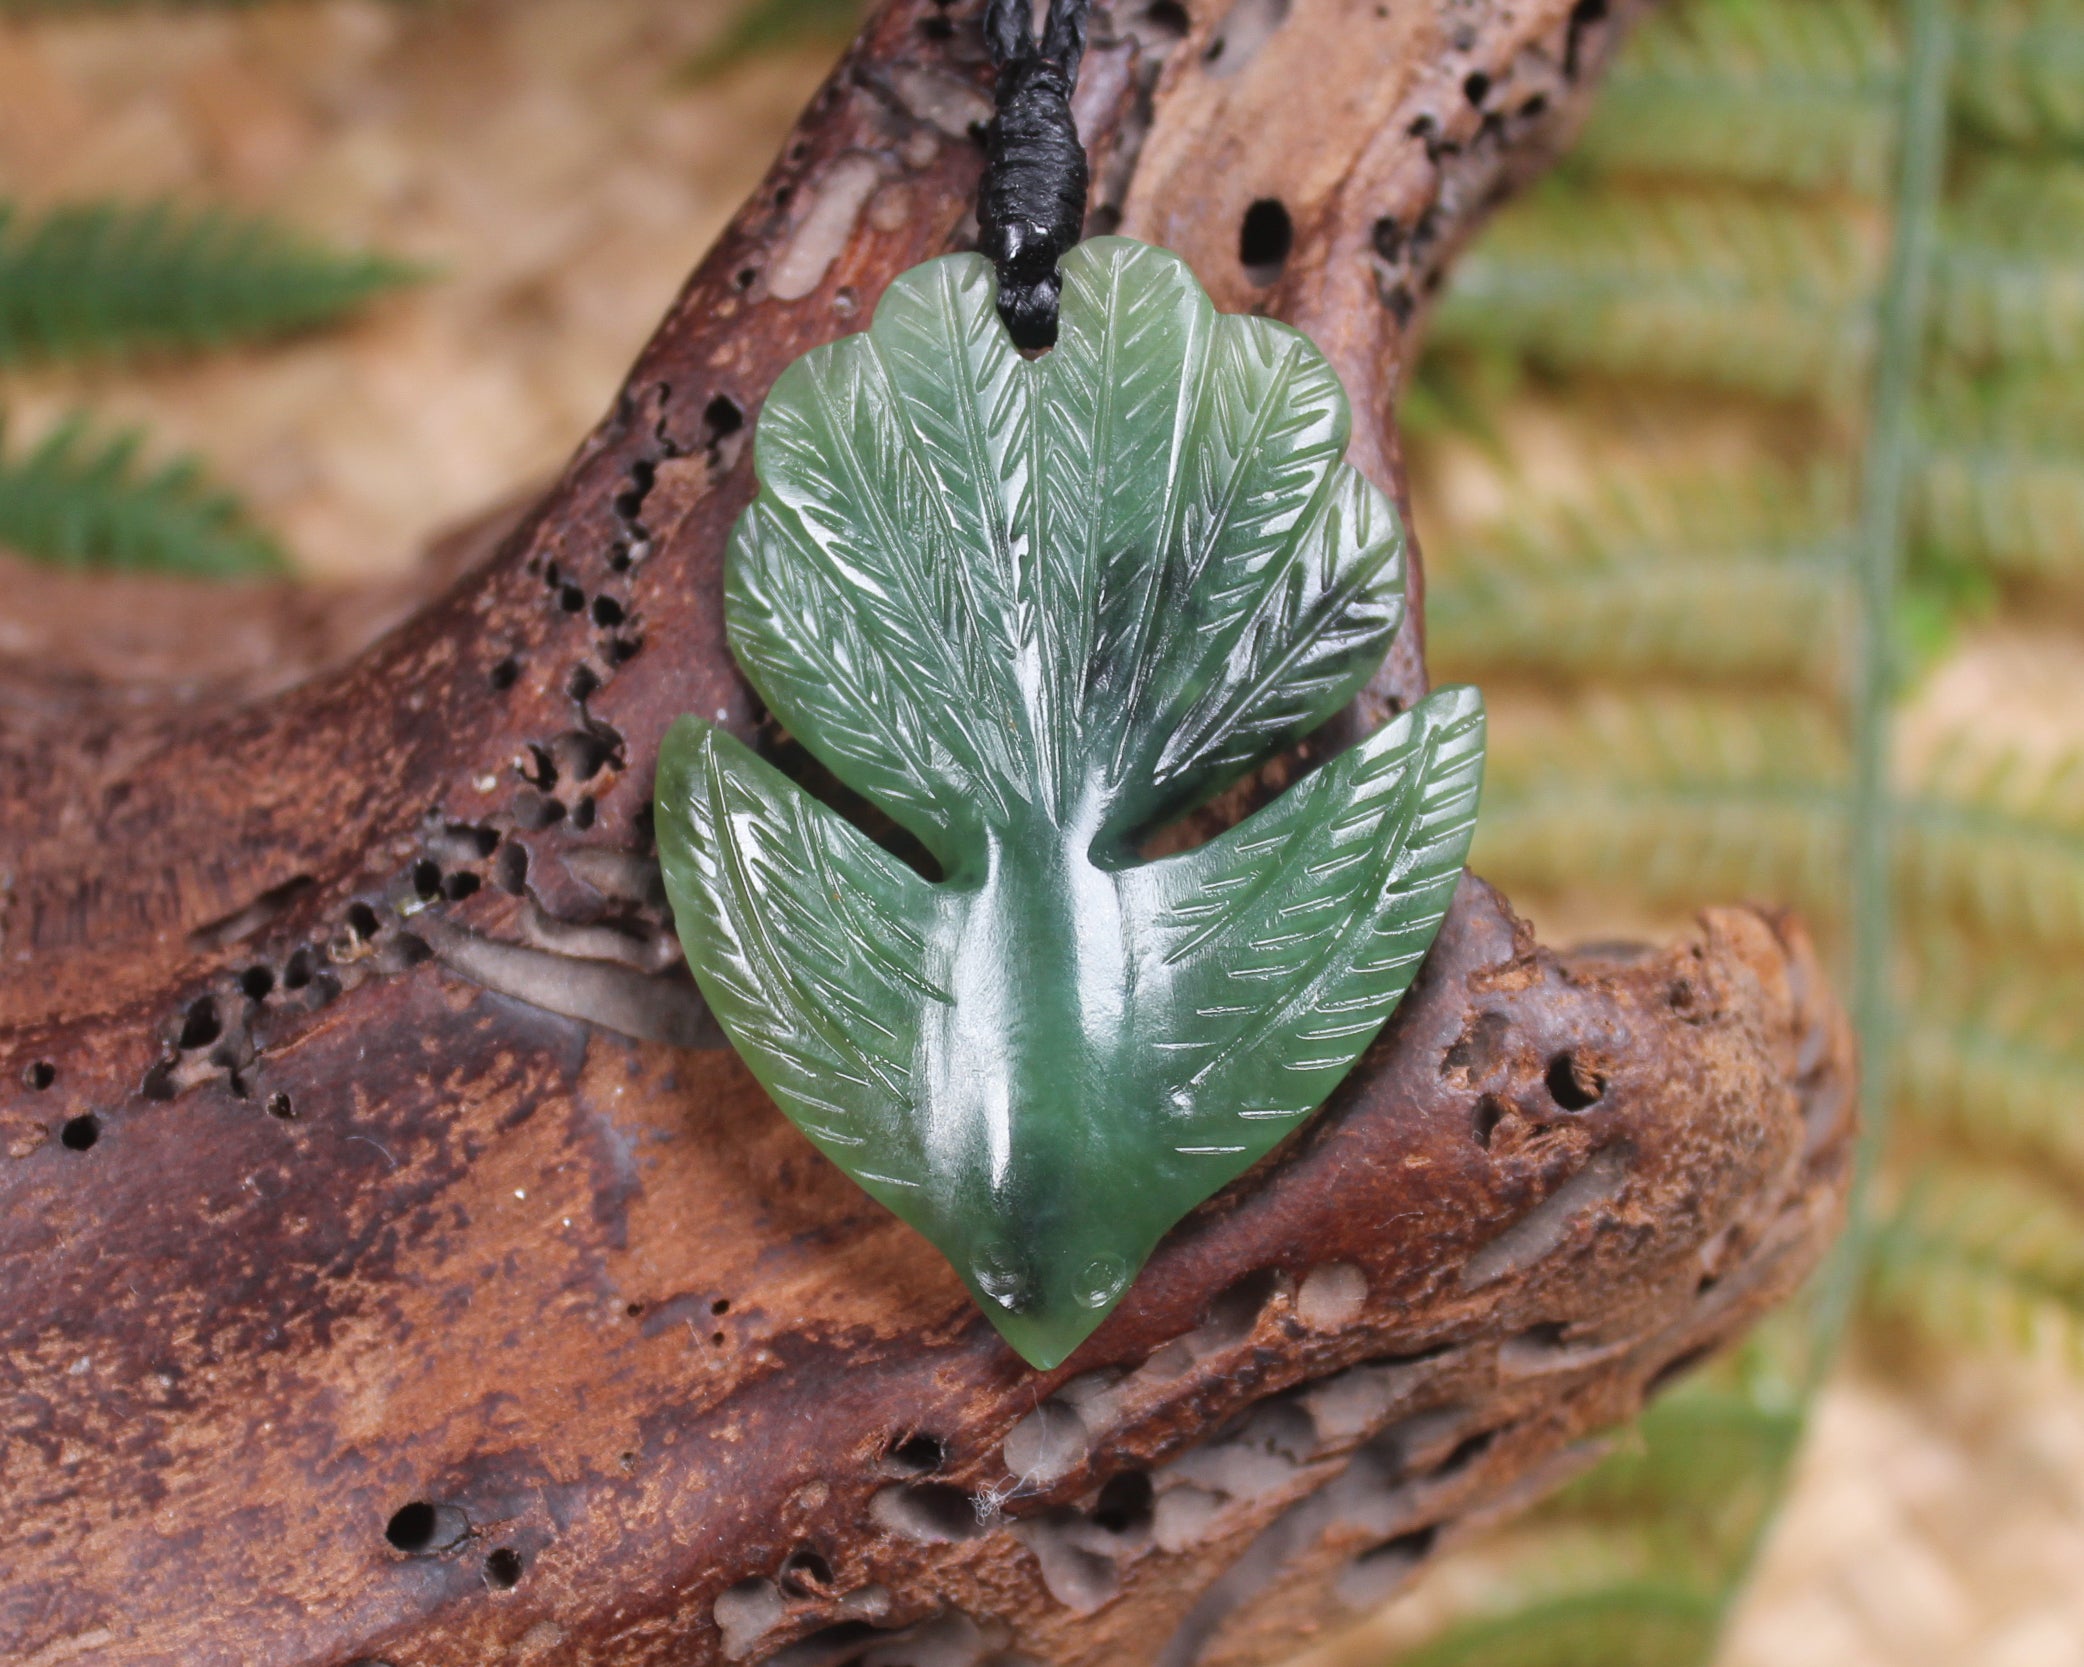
[{"x": 1034, "y": 609}]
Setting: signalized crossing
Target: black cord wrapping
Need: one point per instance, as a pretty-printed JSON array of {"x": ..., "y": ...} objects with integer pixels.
[{"x": 1031, "y": 202}]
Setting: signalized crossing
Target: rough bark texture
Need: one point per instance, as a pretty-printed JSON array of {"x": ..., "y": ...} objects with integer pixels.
[{"x": 395, "y": 1267}]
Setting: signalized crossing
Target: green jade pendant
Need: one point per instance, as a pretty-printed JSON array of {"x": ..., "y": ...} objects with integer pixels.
[{"x": 1035, "y": 609}]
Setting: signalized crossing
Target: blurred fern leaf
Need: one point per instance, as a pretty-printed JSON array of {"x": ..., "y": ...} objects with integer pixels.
[
  {"x": 1695, "y": 1452},
  {"x": 79, "y": 500},
  {"x": 103, "y": 278},
  {"x": 1997, "y": 842},
  {"x": 1997, "y": 1070},
  {"x": 2019, "y": 70},
  {"x": 2011, "y": 271},
  {"x": 1681, "y": 798},
  {"x": 1986, "y": 1255},
  {"x": 1689, "y": 573},
  {"x": 1628, "y": 1624},
  {"x": 2017, "y": 514},
  {"x": 1765, "y": 204},
  {"x": 1799, "y": 93},
  {"x": 2000, "y": 487},
  {"x": 1677, "y": 800},
  {"x": 1695, "y": 286}
]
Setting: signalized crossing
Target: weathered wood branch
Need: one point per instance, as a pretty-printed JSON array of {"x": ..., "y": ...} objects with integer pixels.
[{"x": 395, "y": 1269}]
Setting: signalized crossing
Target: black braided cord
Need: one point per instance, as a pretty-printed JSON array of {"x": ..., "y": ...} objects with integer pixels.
[{"x": 1031, "y": 202}]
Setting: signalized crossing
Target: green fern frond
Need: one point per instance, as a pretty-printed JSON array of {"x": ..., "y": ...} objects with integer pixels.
[
  {"x": 1763, "y": 43},
  {"x": 1459, "y": 394},
  {"x": 2033, "y": 408},
  {"x": 1715, "y": 511},
  {"x": 1654, "y": 573},
  {"x": 1674, "y": 800},
  {"x": 1987, "y": 1257},
  {"x": 1696, "y": 1453},
  {"x": 1722, "y": 289},
  {"x": 103, "y": 278},
  {"x": 2018, "y": 515},
  {"x": 2009, "y": 278},
  {"x": 1807, "y": 138},
  {"x": 1738, "y": 618},
  {"x": 1997, "y": 843},
  {"x": 1796, "y": 93},
  {"x": 1997, "y": 1072},
  {"x": 1683, "y": 842},
  {"x": 1692, "y": 1483},
  {"x": 2019, "y": 70},
  {"x": 2031, "y": 203},
  {"x": 1634, "y": 1624},
  {"x": 1960, "y": 358},
  {"x": 1681, "y": 846},
  {"x": 1999, "y": 487},
  {"x": 1665, "y": 738},
  {"x": 1677, "y": 799},
  {"x": 78, "y": 501},
  {"x": 1997, "y": 305}
]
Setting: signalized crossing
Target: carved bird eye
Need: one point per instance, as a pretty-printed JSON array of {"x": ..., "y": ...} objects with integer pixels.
[
  {"x": 1003, "y": 1276},
  {"x": 1101, "y": 1280}
]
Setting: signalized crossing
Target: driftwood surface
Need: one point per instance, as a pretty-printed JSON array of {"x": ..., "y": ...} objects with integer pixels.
[{"x": 395, "y": 1268}]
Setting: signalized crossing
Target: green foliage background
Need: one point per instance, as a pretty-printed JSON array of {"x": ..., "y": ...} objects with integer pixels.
[
  {"x": 95, "y": 282},
  {"x": 1852, "y": 233}
]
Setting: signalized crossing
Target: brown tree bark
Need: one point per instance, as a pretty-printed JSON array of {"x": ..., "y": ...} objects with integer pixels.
[{"x": 397, "y": 1269}]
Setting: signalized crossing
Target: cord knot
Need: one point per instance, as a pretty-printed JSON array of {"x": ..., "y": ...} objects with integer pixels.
[{"x": 1031, "y": 201}]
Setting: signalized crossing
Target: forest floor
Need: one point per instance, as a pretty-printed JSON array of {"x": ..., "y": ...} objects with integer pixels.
[{"x": 545, "y": 160}]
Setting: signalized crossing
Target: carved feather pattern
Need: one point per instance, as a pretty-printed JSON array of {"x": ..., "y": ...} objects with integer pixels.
[{"x": 1032, "y": 608}]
